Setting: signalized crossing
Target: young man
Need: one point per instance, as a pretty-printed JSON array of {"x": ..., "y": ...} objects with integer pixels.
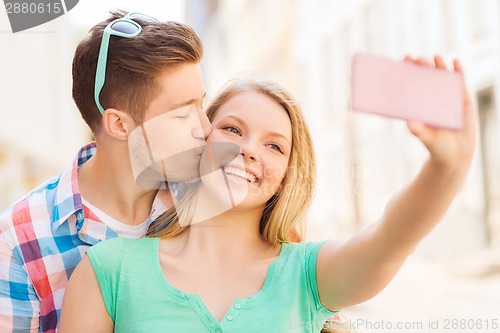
[{"x": 148, "y": 82}]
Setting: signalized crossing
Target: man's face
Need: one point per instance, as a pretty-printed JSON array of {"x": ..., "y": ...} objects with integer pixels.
[{"x": 167, "y": 146}]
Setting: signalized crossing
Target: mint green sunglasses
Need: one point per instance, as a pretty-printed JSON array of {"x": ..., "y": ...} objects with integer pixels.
[{"x": 124, "y": 27}]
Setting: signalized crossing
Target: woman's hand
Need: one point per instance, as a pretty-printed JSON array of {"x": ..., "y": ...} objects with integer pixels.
[
  {"x": 452, "y": 149},
  {"x": 352, "y": 272}
]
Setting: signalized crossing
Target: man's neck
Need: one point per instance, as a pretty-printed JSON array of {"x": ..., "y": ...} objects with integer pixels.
[{"x": 107, "y": 182}]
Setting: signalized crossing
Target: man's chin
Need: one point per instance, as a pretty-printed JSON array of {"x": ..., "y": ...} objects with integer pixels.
[{"x": 153, "y": 179}]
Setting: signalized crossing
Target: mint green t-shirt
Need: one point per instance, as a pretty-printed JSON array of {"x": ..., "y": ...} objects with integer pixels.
[{"x": 139, "y": 298}]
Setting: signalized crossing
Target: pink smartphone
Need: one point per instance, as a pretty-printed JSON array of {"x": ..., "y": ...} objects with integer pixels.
[{"x": 403, "y": 90}]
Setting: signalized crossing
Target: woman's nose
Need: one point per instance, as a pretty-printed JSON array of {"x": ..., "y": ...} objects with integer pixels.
[{"x": 248, "y": 151}]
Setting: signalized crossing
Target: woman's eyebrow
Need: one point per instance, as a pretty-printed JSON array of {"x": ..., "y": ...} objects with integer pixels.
[
  {"x": 271, "y": 133},
  {"x": 235, "y": 118},
  {"x": 277, "y": 134}
]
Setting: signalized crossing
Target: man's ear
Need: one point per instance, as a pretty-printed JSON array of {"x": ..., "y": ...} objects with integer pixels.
[{"x": 118, "y": 124}]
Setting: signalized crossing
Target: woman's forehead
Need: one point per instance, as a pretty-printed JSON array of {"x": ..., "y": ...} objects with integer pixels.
[{"x": 257, "y": 109}]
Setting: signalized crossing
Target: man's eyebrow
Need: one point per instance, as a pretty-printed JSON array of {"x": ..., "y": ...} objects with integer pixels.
[{"x": 191, "y": 101}]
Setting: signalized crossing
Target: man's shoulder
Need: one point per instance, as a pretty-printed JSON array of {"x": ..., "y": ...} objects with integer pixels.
[
  {"x": 34, "y": 203},
  {"x": 52, "y": 196}
]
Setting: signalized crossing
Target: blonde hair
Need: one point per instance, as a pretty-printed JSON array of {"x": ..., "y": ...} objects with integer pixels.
[{"x": 283, "y": 219}]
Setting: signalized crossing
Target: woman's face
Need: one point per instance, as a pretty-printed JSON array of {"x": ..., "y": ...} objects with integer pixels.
[{"x": 261, "y": 128}]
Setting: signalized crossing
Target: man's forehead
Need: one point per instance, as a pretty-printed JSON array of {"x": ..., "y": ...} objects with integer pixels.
[
  {"x": 169, "y": 100},
  {"x": 187, "y": 100},
  {"x": 182, "y": 109}
]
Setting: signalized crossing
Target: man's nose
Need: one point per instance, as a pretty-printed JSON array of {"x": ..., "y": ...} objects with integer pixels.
[{"x": 204, "y": 128}]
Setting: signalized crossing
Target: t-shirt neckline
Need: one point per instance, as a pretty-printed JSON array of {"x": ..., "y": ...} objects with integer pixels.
[{"x": 173, "y": 291}]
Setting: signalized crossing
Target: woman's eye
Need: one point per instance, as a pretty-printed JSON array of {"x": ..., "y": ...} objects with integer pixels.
[
  {"x": 276, "y": 147},
  {"x": 232, "y": 129}
]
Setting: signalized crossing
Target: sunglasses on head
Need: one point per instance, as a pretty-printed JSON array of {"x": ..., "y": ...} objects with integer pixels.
[{"x": 123, "y": 27}]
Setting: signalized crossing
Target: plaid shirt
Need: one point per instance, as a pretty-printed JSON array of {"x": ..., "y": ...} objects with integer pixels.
[{"x": 42, "y": 239}]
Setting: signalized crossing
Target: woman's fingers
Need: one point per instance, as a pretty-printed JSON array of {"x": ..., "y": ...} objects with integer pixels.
[
  {"x": 422, "y": 61},
  {"x": 421, "y": 131},
  {"x": 409, "y": 58},
  {"x": 458, "y": 66},
  {"x": 439, "y": 62}
]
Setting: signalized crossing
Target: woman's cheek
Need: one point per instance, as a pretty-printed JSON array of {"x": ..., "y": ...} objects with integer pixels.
[{"x": 215, "y": 136}]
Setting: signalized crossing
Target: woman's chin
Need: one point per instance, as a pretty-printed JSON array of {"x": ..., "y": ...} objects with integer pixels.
[{"x": 224, "y": 191}]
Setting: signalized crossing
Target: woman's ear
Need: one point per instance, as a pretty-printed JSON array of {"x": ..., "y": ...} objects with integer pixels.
[{"x": 118, "y": 124}]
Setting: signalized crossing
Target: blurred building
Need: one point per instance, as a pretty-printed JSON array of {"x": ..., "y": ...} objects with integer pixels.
[
  {"x": 363, "y": 160},
  {"x": 41, "y": 128}
]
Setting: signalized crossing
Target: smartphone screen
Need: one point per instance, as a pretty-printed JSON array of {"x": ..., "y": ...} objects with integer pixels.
[{"x": 403, "y": 90}]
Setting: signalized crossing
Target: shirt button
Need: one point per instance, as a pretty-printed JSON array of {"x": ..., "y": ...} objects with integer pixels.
[
  {"x": 79, "y": 217},
  {"x": 237, "y": 306},
  {"x": 218, "y": 331},
  {"x": 229, "y": 317}
]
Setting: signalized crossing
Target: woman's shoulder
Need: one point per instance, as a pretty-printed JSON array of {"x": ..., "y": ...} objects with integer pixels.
[
  {"x": 300, "y": 254},
  {"x": 303, "y": 248},
  {"x": 114, "y": 254},
  {"x": 121, "y": 244}
]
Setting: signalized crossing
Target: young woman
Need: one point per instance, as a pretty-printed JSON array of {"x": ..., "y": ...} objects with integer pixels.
[{"x": 223, "y": 262}]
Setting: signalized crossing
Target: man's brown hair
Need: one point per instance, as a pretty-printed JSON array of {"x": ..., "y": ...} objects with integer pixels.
[{"x": 133, "y": 66}]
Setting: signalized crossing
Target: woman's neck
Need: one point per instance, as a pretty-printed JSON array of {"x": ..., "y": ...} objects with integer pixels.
[{"x": 232, "y": 235}]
